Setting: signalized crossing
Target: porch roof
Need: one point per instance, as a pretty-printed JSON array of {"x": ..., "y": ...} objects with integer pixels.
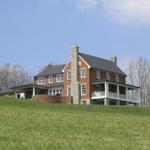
[
  {"x": 113, "y": 82},
  {"x": 29, "y": 86},
  {"x": 61, "y": 84}
]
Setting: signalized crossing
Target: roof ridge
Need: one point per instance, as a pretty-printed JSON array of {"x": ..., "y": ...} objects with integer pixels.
[
  {"x": 56, "y": 65},
  {"x": 96, "y": 57}
]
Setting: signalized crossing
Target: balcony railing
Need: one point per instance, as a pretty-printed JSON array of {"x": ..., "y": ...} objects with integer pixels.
[
  {"x": 122, "y": 96},
  {"x": 114, "y": 95},
  {"x": 98, "y": 94}
]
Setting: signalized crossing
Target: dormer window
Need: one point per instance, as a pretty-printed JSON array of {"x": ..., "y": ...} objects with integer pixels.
[{"x": 41, "y": 80}]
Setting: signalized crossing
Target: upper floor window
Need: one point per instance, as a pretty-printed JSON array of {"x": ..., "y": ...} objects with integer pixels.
[
  {"x": 60, "y": 77},
  {"x": 69, "y": 76},
  {"x": 112, "y": 77},
  {"x": 122, "y": 79},
  {"x": 83, "y": 89},
  {"x": 117, "y": 77},
  {"x": 103, "y": 75},
  {"x": 41, "y": 80},
  {"x": 83, "y": 72},
  {"x": 108, "y": 76},
  {"x": 51, "y": 79},
  {"x": 98, "y": 75}
]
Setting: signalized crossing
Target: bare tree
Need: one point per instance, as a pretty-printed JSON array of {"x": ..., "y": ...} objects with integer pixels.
[
  {"x": 13, "y": 75},
  {"x": 139, "y": 74}
]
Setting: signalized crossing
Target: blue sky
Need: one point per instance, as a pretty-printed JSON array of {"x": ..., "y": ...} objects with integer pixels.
[{"x": 37, "y": 32}]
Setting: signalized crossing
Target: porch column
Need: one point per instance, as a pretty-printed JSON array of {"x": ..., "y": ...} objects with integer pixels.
[
  {"x": 33, "y": 90},
  {"x": 118, "y": 91},
  {"x": 106, "y": 90},
  {"x": 106, "y": 101},
  {"x": 127, "y": 92}
]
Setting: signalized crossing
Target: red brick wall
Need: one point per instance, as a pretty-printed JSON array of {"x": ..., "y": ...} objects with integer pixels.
[
  {"x": 53, "y": 99},
  {"x": 47, "y": 80},
  {"x": 66, "y": 82},
  {"x": 81, "y": 80}
]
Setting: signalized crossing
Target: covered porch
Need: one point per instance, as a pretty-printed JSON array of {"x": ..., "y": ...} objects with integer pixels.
[
  {"x": 115, "y": 93},
  {"x": 29, "y": 90}
]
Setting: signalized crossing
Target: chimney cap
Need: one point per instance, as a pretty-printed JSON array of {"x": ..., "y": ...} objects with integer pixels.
[
  {"x": 114, "y": 59},
  {"x": 74, "y": 46}
]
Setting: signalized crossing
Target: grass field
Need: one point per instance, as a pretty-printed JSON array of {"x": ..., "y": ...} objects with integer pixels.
[{"x": 28, "y": 125}]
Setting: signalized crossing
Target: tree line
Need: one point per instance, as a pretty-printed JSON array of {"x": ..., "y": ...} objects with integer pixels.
[
  {"x": 138, "y": 72},
  {"x": 13, "y": 75}
]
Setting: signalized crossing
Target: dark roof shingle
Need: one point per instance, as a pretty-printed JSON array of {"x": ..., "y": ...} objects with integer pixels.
[
  {"x": 102, "y": 64},
  {"x": 51, "y": 69}
]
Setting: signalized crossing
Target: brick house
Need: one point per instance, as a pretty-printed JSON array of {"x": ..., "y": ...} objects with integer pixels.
[{"x": 89, "y": 80}]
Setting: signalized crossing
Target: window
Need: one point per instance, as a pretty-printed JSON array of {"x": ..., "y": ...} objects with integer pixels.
[
  {"x": 108, "y": 76},
  {"x": 112, "y": 77},
  {"x": 83, "y": 89},
  {"x": 69, "y": 76},
  {"x": 50, "y": 92},
  {"x": 41, "y": 80},
  {"x": 55, "y": 92},
  {"x": 83, "y": 72},
  {"x": 98, "y": 75},
  {"x": 122, "y": 79},
  {"x": 60, "y": 77},
  {"x": 51, "y": 79},
  {"x": 69, "y": 91}
]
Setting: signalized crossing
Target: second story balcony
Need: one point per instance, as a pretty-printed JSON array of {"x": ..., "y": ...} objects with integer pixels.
[{"x": 115, "y": 91}]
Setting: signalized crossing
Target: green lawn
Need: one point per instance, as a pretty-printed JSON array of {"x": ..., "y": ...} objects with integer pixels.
[{"x": 28, "y": 125}]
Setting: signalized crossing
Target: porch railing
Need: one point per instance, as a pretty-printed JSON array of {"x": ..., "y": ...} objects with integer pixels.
[
  {"x": 122, "y": 96},
  {"x": 98, "y": 94},
  {"x": 114, "y": 95}
]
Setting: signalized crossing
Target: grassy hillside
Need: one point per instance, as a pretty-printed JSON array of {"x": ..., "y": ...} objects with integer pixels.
[{"x": 28, "y": 125}]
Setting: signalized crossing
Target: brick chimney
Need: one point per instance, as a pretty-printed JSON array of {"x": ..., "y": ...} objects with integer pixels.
[
  {"x": 114, "y": 60},
  {"x": 75, "y": 85}
]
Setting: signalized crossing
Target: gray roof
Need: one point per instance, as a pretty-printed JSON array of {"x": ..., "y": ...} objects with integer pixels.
[
  {"x": 25, "y": 86},
  {"x": 102, "y": 64},
  {"x": 56, "y": 84},
  {"x": 51, "y": 69}
]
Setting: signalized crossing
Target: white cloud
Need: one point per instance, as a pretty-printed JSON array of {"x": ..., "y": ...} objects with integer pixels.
[
  {"x": 136, "y": 11},
  {"x": 87, "y": 4},
  {"x": 126, "y": 11}
]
